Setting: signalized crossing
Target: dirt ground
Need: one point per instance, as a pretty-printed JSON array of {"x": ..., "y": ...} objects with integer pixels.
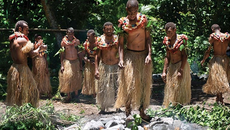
[{"x": 86, "y": 105}]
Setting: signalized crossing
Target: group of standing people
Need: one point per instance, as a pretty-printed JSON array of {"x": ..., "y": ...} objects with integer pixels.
[{"x": 118, "y": 68}]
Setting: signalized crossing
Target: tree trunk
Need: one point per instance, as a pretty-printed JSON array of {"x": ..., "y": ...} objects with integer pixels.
[{"x": 52, "y": 21}]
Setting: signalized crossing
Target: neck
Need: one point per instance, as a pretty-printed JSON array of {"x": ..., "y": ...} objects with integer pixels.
[
  {"x": 108, "y": 37},
  {"x": 173, "y": 37},
  {"x": 217, "y": 31}
]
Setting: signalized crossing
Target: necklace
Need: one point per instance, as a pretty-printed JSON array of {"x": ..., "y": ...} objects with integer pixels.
[
  {"x": 124, "y": 21},
  {"x": 86, "y": 44},
  {"x": 103, "y": 45},
  {"x": 68, "y": 42},
  {"x": 179, "y": 41}
]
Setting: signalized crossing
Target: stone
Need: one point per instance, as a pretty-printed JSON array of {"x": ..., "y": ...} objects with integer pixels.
[
  {"x": 111, "y": 123},
  {"x": 93, "y": 125}
]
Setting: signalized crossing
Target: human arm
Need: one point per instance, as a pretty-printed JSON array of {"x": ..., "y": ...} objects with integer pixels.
[
  {"x": 97, "y": 59},
  {"x": 166, "y": 63},
  {"x": 47, "y": 69},
  {"x": 148, "y": 46},
  {"x": 206, "y": 55},
  {"x": 62, "y": 56},
  {"x": 183, "y": 62},
  {"x": 121, "y": 51}
]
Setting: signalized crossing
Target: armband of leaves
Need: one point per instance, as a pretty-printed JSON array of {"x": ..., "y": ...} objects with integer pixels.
[
  {"x": 184, "y": 47},
  {"x": 60, "y": 51},
  {"x": 148, "y": 26},
  {"x": 119, "y": 31},
  {"x": 80, "y": 47}
]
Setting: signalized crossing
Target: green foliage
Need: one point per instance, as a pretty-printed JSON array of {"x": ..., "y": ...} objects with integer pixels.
[
  {"x": 62, "y": 49},
  {"x": 27, "y": 117},
  {"x": 216, "y": 118},
  {"x": 134, "y": 124}
]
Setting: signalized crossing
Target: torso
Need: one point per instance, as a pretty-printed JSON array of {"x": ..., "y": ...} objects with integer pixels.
[
  {"x": 136, "y": 39},
  {"x": 175, "y": 57},
  {"x": 109, "y": 55},
  {"x": 173, "y": 50},
  {"x": 109, "y": 50},
  {"x": 220, "y": 46},
  {"x": 17, "y": 55},
  {"x": 70, "y": 51},
  {"x": 136, "y": 32}
]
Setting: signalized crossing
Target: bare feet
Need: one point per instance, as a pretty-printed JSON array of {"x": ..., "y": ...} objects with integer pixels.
[
  {"x": 127, "y": 111},
  {"x": 144, "y": 116},
  {"x": 102, "y": 112},
  {"x": 118, "y": 110}
]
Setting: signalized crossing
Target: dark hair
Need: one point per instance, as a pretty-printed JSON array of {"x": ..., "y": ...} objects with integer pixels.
[
  {"x": 215, "y": 27},
  {"x": 20, "y": 23},
  {"x": 91, "y": 31},
  {"x": 107, "y": 24},
  {"x": 170, "y": 25},
  {"x": 37, "y": 35},
  {"x": 132, "y": 4},
  {"x": 70, "y": 29}
]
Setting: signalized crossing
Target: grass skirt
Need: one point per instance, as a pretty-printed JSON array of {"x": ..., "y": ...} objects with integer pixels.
[
  {"x": 71, "y": 78},
  {"x": 89, "y": 81},
  {"x": 177, "y": 90},
  {"x": 218, "y": 79},
  {"x": 41, "y": 77},
  {"x": 107, "y": 85},
  {"x": 135, "y": 81},
  {"x": 21, "y": 86}
]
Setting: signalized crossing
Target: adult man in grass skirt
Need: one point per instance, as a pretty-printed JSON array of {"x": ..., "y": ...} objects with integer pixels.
[
  {"x": 21, "y": 86},
  {"x": 89, "y": 81},
  {"x": 219, "y": 73},
  {"x": 176, "y": 71},
  {"x": 40, "y": 68},
  {"x": 70, "y": 76},
  {"x": 107, "y": 71},
  {"x": 135, "y": 79}
]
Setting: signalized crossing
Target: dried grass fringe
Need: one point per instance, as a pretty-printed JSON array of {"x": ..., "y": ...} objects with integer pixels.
[
  {"x": 21, "y": 86},
  {"x": 177, "y": 90},
  {"x": 41, "y": 77},
  {"x": 107, "y": 85},
  {"x": 135, "y": 81},
  {"x": 89, "y": 81},
  {"x": 219, "y": 73},
  {"x": 71, "y": 79}
]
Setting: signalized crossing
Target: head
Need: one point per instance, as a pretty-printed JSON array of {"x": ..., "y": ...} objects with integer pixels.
[
  {"x": 108, "y": 29},
  {"x": 70, "y": 32},
  {"x": 22, "y": 26},
  {"x": 90, "y": 35},
  {"x": 170, "y": 29},
  {"x": 215, "y": 27},
  {"x": 37, "y": 37},
  {"x": 132, "y": 9}
]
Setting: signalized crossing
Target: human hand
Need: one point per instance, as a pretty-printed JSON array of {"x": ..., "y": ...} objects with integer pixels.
[
  {"x": 40, "y": 42},
  {"x": 47, "y": 70},
  {"x": 180, "y": 73},
  {"x": 97, "y": 76},
  {"x": 121, "y": 64},
  {"x": 62, "y": 69},
  {"x": 202, "y": 63},
  {"x": 163, "y": 76},
  {"x": 148, "y": 59}
]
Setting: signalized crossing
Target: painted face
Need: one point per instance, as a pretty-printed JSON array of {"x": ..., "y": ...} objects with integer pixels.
[
  {"x": 38, "y": 38},
  {"x": 25, "y": 30},
  {"x": 170, "y": 32},
  {"x": 108, "y": 30},
  {"x": 90, "y": 37},
  {"x": 132, "y": 13}
]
